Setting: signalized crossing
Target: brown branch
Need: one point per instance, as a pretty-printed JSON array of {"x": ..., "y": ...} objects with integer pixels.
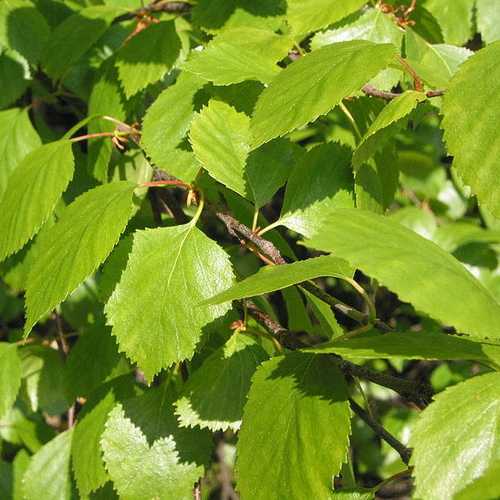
[
  {"x": 388, "y": 96},
  {"x": 237, "y": 229},
  {"x": 402, "y": 450},
  {"x": 420, "y": 394},
  {"x": 261, "y": 246},
  {"x": 271, "y": 325},
  {"x": 155, "y": 7},
  {"x": 63, "y": 349}
]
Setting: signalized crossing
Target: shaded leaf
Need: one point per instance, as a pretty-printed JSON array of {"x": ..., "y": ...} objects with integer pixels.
[
  {"x": 75, "y": 35},
  {"x": 14, "y": 79},
  {"x": 105, "y": 99},
  {"x": 23, "y": 29},
  {"x": 44, "y": 379},
  {"x": 215, "y": 394},
  {"x": 91, "y": 360},
  {"x": 147, "y": 56},
  {"x": 385, "y": 125},
  {"x": 72, "y": 249},
  {"x": 297, "y": 417},
  {"x": 322, "y": 180},
  {"x": 268, "y": 168},
  {"x": 240, "y": 54}
]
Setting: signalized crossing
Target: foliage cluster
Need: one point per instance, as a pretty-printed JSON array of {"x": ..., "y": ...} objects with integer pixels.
[{"x": 249, "y": 248}]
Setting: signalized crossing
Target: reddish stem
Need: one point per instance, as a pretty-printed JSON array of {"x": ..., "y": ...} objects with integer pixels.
[
  {"x": 92, "y": 136},
  {"x": 169, "y": 182}
]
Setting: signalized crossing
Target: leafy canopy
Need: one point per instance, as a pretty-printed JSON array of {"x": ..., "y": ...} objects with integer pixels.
[{"x": 249, "y": 249}]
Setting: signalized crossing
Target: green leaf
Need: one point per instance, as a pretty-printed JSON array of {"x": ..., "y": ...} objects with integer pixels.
[
  {"x": 91, "y": 360},
  {"x": 49, "y": 470},
  {"x": 297, "y": 408},
  {"x": 105, "y": 99},
  {"x": 240, "y": 54},
  {"x": 167, "y": 121},
  {"x": 10, "y": 376},
  {"x": 322, "y": 180},
  {"x": 385, "y": 125},
  {"x": 19, "y": 466},
  {"x": 23, "y": 29},
  {"x": 214, "y": 15},
  {"x": 44, "y": 379},
  {"x": 143, "y": 470},
  {"x": 471, "y": 112},
  {"x": 268, "y": 168},
  {"x": 32, "y": 192},
  {"x": 216, "y": 392},
  {"x": 147, "y": 56},
  {"x": 72, "y": 249},
  {"x": 435, "y": 64},
  {"x": 461, "y": 428},
  {"x": 271, "y": 278},
  {"x": 352, "y": 494},
  {"x": 374, "y": 26},
  {"x": 305, "y": 16},
  {"x": 488, "y": 20},
  {"x": 113, "y": 268},
  {"x": 486, "y": 486},
  {"x": 455, "y": 19},
  {"x": 293, "y": 98},
  {"x": 155, "y": 320},
  {"x": 17, "y": 139},
  {"x": 220, "y": 139},
  {"x": 75, "y": 35},
  {"x": 412, "y": 345},
  {"x": 420, "y": 272},
  {"x": 86, "y": 453},
  {"x": 14, "y": 78}
]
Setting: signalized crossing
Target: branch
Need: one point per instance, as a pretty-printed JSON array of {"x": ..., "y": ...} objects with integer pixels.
[
  {"x": 402, "y": 450},
  {"x": 420, "y": 394},
  {"x": 153, "y": 7},
  {"x": 238, "y": 229},
  {"x": 388, "y": 96},
  {"x": 267, "y": 248}
]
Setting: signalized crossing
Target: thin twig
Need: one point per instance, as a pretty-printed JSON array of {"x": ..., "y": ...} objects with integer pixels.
[
  {"x": 420, "y": 394},
  {"x": 402, "y": 450},
  {"x": 388, "y": 96},
  {"x": 63, "y": 349},
  {"x": 267, "y": 248},
  {"x": 155, "y": 7}
]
